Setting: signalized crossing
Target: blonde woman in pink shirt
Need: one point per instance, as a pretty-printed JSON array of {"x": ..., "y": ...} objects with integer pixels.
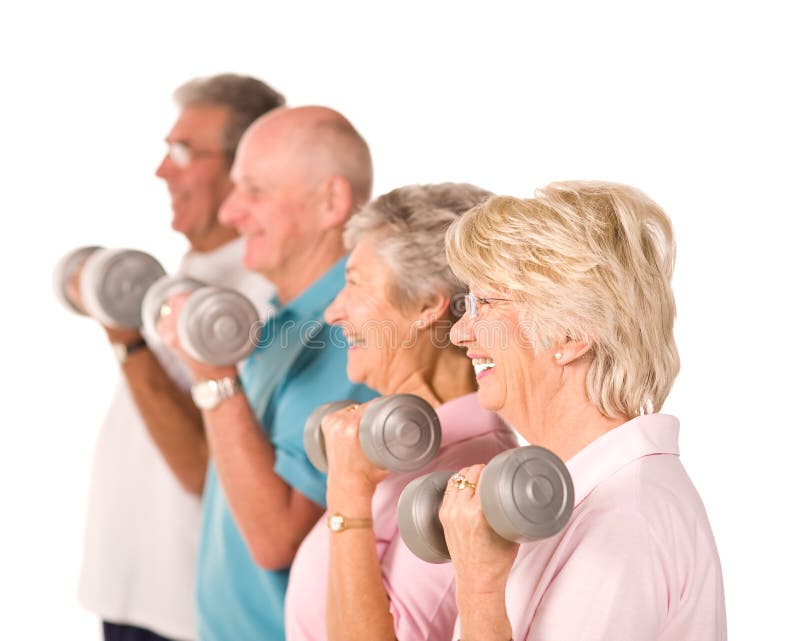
[
  {"x": 353, "y": 578},
  {"x": 579, "y": 279}
]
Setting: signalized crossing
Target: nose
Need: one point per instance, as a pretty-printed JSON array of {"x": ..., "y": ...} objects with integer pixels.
[
  {"x": 232, "y": 211},
  {"x": 334, "y": 314},
  {"x": 166, "y": 168},
  {"x": 462, "y": 333}
]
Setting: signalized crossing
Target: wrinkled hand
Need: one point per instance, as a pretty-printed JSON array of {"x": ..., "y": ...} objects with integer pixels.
[
  {"x": 168, "y": 331},
  {"x": 115, "y": 334},
  {"x": 481, "y": 558},
  {"x": 350, "y": 472}
]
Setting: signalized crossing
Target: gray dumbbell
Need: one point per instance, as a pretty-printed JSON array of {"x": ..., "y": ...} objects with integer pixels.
[
  {"x": 400, "y": 432},
  {"x": 526, "y": 494},
  {"x": 159, "y": 293},
  {"x": 65, "y": 271},
  {"x": 216, "y": 326},
  {"x": 112, "y": 283}
]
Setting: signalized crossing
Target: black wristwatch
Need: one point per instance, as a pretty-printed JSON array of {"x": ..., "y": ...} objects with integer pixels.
[{"x": 124, "y": 350}]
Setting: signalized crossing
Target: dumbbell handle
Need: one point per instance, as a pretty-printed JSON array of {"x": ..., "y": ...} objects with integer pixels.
[
  {"x": 526, "y": 495},
  {"x": 159, "y": 293},
  {"x": 399, "y": 432}
]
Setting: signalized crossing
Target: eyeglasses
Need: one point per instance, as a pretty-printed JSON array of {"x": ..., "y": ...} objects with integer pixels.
[
  {"x": 470, "y": 304},
  {"x": 182, "y": 154}
]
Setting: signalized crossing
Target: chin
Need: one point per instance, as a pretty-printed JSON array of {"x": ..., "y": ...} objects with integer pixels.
[
  {"x": 489, "y": 400},
  {"x": 354, "y": 373},
  {"x": 251, "y": 261}
]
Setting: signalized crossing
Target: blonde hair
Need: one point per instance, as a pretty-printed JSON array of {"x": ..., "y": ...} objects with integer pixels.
[{"x": 588, "y": 261}]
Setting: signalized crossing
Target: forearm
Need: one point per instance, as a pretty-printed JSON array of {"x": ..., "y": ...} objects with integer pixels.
[
  {"x": 482, "y": 613},
  {"x": 172, "y": 420},
  {"x": 357, "y": 603},
  {"x": 272, "y": 517}
]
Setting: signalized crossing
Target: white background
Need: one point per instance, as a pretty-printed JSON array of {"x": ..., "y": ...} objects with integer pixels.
[{"x": 696, "y": 104}]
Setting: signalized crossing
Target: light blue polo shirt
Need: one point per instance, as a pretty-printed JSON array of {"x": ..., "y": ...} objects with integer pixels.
[{"x": 299, "y": 364}]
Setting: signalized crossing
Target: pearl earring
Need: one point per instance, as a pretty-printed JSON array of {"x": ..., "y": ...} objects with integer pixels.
[{"x": 558, "y": 356}]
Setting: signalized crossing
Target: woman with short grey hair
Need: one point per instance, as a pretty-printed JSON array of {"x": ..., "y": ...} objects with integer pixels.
[{"x": 358, "y": 580}]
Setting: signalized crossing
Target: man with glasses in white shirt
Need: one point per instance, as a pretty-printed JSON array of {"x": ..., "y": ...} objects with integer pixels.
[{"x": 150, "y": 462}]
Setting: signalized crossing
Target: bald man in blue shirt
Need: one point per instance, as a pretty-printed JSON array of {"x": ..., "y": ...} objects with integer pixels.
[{"x": 299, "y": 174}]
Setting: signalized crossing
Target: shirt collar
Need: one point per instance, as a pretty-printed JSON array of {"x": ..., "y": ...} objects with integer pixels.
[
  {"x": 642, "y": 436},
  {"x": 463, "y": 418},
  {"x": 312, "y": 302}
]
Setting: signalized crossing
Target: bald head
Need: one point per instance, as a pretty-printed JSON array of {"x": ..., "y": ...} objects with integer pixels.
[
  {"x": 298, "y": 176},
  {"x": 319, "y": 143}
]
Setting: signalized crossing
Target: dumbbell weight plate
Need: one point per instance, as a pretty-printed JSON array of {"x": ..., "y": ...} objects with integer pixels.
[
  {"x": 418, "y": 516},
  {"x": 526, "y": 494},
  {"x": 114, "y": 282},
  {"x": 314, "y": 439},
  {"x": 400, "y": 432},
  {"x": 64, "y": 271},
  {"x": 159, "y": 293},
  {"x": 215, "y": 324}
]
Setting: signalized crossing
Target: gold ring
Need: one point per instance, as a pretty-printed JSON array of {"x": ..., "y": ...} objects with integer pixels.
[
  {"x": 460, "y": 482},
  {"x": 352, "y": 408},
  {"x": 165, "y": 311}
]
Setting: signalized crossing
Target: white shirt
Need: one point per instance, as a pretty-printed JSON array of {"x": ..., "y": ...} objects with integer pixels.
[{"x": 142, "y": 528}]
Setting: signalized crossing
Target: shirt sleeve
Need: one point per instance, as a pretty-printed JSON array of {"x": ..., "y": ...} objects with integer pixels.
[
  {"x": 422, "y": 595},
  {"x": 611, "y": 587},
  {"x": 320, "y": 379}
]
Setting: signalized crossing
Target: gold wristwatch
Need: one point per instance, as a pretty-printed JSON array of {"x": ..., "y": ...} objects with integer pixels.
[{"x": 339, "y": 523}]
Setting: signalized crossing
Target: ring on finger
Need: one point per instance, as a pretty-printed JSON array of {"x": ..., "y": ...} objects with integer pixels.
[{"x": 460, "y": 482}]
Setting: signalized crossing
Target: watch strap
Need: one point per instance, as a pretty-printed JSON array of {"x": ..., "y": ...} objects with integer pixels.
[
  {"x": 339, "y": 523},
  {"x": 208, "y": 394},
  {"x": 124, "y": 350}
]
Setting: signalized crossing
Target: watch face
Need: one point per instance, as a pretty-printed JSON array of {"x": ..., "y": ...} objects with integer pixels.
[
  {"x": 120, "y": 351},
  {"x": 336, "y": 522},
  {"x": 205, "y": 394}
]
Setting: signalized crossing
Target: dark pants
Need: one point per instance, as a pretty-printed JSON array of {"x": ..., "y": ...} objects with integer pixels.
[{"x": 116, "y": 632}]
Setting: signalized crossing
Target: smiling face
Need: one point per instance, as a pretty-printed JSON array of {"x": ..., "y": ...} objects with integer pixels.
[
  {"x": 378, "y": 333},
  {"x": 273, "y": 205},
  {"x": 197, "y": 188},
  {"x": 509, "y": 372}
]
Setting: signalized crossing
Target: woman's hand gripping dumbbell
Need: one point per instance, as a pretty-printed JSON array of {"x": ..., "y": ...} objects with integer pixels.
[
  {"x": 399, "y": 433},
  {"x": 211, "y": 325},
  {"x": 106, "y": 284},
  {"x": 525, "y": 494}
]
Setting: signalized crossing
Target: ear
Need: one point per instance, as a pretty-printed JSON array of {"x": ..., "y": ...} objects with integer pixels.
[
  {"x": 570, "y": 350},
  {"x": 337, "y": 202},
  {"x": 435, "y": 308}
]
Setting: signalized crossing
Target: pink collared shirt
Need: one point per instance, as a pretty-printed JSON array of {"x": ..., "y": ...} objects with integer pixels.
[
  {"x": 421, "y": 595},
  {"x": 637, "y": 560}
]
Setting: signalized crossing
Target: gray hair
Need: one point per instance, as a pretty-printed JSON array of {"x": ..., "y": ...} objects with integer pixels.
[
  {"x": 409, "y": 224},
  {"x": 246, "y": 97}
]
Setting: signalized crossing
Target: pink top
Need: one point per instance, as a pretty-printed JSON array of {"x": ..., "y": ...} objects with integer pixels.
[
  {"x": 421, "y": 594},
  {"x": 637, "y": 559}
]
